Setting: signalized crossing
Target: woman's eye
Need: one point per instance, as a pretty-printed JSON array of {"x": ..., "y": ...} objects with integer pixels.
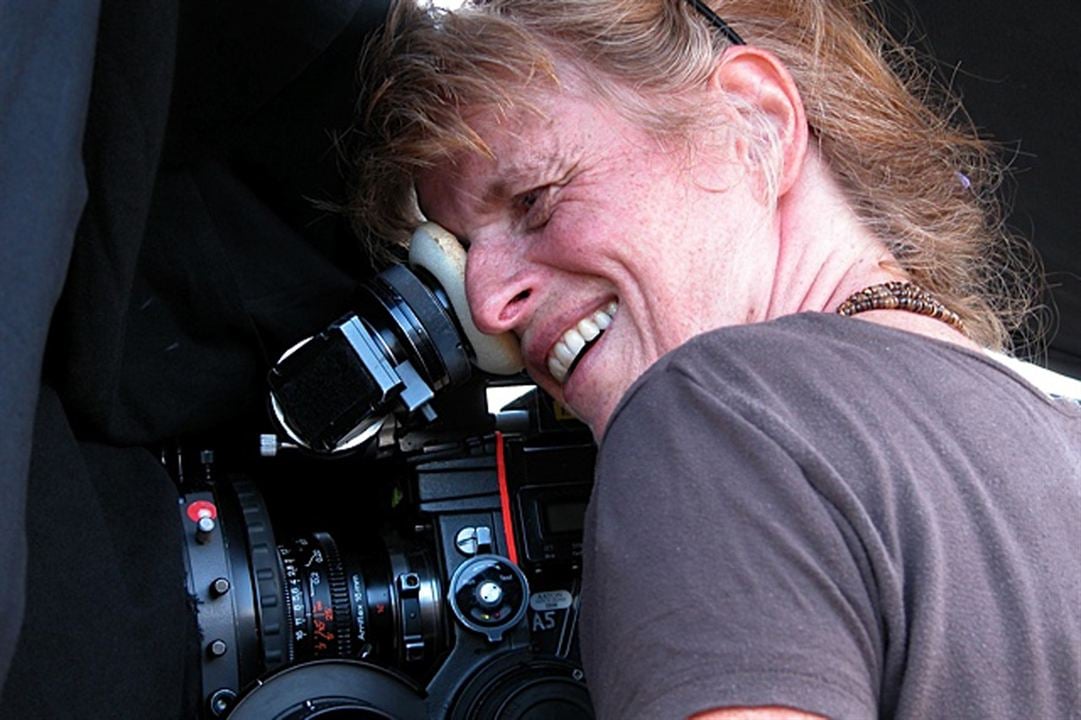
[{"x": 534, "y": 206}]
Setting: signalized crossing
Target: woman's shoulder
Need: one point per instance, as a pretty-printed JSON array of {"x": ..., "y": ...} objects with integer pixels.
[{"x": 814, "y": 368}]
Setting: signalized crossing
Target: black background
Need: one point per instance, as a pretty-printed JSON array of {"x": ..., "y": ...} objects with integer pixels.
[{"x": 1018, "y": 68}]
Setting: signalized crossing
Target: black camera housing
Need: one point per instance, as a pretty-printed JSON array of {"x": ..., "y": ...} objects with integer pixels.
[{"x": 446, "y": 561}]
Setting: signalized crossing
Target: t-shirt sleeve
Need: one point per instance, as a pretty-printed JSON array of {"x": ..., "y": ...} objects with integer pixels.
[{"x": 716, "y": 573}]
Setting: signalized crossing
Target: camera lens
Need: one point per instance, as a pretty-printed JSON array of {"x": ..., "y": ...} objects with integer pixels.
[
  {"x": 332, "y": 690},
  {"x": 317, "y": 598},
  {"x": 378, "y": 603},
  {"x": 267, "y": 605}
]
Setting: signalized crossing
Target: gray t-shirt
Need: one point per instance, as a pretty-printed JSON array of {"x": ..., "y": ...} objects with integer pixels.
[{"x": 823, "y": 513}]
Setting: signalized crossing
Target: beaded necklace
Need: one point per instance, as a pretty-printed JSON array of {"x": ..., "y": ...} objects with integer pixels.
[{"x": 898, "y": 295}]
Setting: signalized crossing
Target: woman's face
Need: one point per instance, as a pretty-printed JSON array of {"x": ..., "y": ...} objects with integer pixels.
[{"x": 599, "y": 246}]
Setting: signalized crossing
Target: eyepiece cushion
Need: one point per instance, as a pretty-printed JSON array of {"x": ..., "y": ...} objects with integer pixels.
[{"x": 440, "y": 253}]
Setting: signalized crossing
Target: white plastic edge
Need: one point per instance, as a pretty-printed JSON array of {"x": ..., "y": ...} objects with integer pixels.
[{"x": 440, "y": 253}]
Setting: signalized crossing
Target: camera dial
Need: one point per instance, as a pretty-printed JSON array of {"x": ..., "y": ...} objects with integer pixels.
[{"x": 489, "y": 595}]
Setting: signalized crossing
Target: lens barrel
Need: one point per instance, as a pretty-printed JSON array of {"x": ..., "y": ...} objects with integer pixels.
[
  {"x": 382, "y": 605},
  {"x": 265, "y": 605}
]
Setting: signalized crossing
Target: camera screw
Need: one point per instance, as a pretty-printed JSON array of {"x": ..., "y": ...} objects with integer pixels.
[
  {"x": 219, "y": 587},
  {"x": 269, "y": 445},
  {"x": 221, "y": 701},
  {"x": 473, "y": 540},
  {"x": 204, "y": 529},
  {"x": 206, "y": 459},
  {"x": 217, "y": 648}
]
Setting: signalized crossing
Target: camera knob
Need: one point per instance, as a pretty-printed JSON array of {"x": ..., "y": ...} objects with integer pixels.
[
  {"x": 489, "y": 595},
  {"x": 204, "y": 529}
]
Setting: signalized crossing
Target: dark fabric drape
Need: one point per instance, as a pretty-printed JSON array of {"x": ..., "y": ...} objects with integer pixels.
[
  {"x": 164, "y": 155},
  {"x": 46, "y": 58}
]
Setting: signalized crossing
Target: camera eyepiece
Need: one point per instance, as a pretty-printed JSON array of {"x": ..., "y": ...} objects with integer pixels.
[
  {"x": 411, "y": 336},
  {"x": 332, "y": 391}
]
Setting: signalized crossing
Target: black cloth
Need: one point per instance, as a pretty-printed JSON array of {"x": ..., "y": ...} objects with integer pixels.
[
  {"x": 44, "y": 92},
  {"x": 108, "y": 629},
  {"x": 165, "y": 155},
  {"x": 831, "y": 515}
]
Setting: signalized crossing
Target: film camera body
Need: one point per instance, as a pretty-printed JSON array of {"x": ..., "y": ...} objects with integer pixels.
[{"x": 403, "y": 552}]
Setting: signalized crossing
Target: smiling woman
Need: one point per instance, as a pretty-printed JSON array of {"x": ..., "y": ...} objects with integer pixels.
[
  {"x": 897, "y": 159},
  {"x": 828, "y": 515},
  {"x": 550, "y": 269}
]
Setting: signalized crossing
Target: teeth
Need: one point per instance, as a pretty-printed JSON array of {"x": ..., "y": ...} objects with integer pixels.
[
  {"x": 604, "y": 319},
  {"x": 575, "y": 341},
  {"x": 566, "y": 350},
  {"x": 557, "y": 369},
  {"x": 563, "y": 353},
  {"x": 588, "y": 329}
]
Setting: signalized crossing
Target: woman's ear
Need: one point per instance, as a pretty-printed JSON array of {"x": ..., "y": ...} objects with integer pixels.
[{"x": 761, "y": 82}]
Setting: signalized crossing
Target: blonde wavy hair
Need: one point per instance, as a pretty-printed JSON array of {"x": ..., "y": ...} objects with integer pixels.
[{"x": 913, "y": 168}]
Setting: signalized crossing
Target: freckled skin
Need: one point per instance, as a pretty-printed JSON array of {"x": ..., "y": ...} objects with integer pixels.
[
  {"x": 628, "y": 220},
  {"x": 580, "y": 206}
]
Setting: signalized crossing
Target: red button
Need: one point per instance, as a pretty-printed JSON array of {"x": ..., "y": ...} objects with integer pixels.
[{"x": 201, "y": 509}]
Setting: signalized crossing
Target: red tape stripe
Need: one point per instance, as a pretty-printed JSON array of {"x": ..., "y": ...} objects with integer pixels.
[{"x": 504, "y": 499}]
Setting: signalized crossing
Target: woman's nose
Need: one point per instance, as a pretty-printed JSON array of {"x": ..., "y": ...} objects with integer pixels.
[{"x": 501, "y": 288}]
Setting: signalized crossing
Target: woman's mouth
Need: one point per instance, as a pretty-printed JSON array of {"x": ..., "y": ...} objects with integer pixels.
[{"x": 572, "y": 345}]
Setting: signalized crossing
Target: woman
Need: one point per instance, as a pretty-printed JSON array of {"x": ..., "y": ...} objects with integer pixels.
[{"x": 766, "y": 275}]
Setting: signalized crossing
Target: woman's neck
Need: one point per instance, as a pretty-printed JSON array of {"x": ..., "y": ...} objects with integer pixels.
[{"x": 826, "y": 253}]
